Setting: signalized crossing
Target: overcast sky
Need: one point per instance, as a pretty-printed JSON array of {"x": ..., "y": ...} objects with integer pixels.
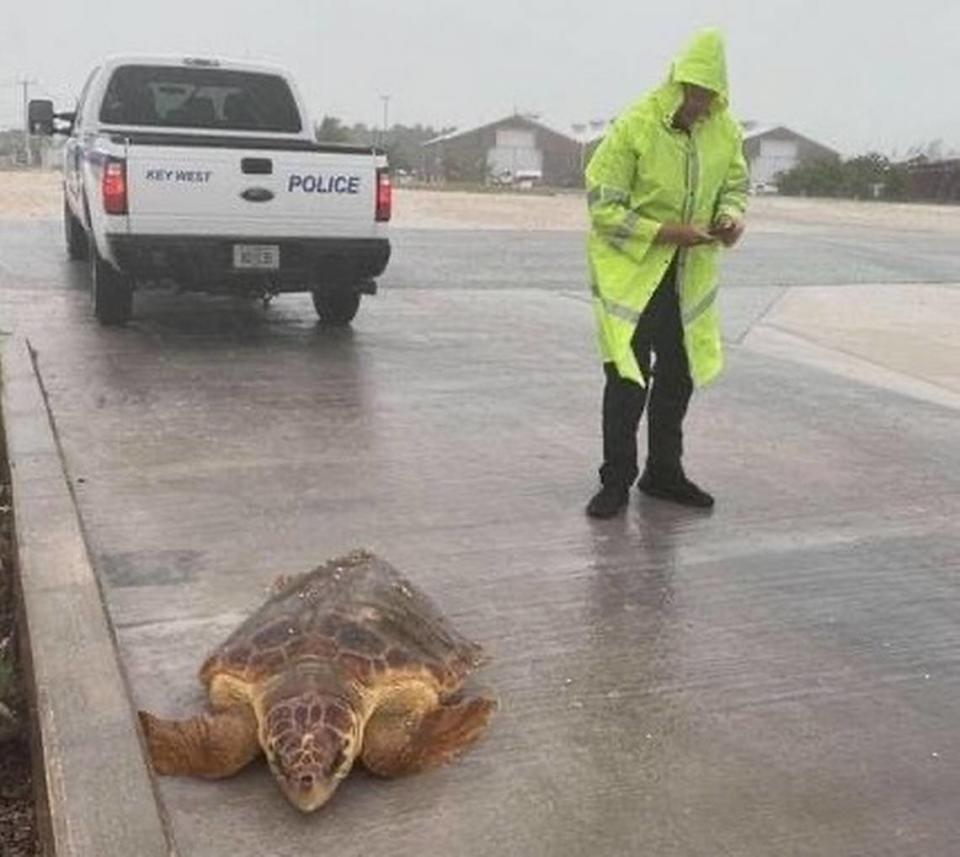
[{"x": 854, "y": 74}]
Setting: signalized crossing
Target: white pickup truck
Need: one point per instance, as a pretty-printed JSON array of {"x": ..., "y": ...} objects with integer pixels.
[{"x": 206, "y": 173}]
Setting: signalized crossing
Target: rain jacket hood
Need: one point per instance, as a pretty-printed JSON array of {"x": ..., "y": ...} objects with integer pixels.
[{"x": 704, "y": 62}]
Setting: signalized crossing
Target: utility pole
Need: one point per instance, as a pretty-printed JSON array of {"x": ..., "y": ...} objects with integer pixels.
[
  {"x": 386, "y": 112},
  {"x": 25, "y": 84},
  {"x": 579, "y": 132}
]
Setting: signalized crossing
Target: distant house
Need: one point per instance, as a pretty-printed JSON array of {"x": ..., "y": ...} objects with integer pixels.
[
  {"x": 773, "y": 149},
  {"x": 516, "y": 149},
  {"x": 934, "y": 181}
]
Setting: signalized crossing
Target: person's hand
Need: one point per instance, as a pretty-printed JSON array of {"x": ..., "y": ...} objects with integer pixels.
[
  {"x": 684, "y": 235},
  {"x": 727, "y": 230}
]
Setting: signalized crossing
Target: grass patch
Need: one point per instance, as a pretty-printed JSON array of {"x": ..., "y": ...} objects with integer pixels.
[{"x": 18, "y": 837}]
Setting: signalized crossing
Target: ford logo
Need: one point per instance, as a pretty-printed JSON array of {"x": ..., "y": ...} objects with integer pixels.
[{"x": 257, "y": 194}]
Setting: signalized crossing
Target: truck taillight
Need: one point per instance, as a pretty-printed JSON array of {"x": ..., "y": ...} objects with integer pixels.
[
  {"x": 114, "y": 184},
  {"x": 384, "y": 195}
]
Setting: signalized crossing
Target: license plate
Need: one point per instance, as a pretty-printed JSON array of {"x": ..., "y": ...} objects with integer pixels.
[{"x": 256, "y": 256}]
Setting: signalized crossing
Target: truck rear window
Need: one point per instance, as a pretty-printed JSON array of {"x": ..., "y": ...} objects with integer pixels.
[{"x": 168, "y": 96}]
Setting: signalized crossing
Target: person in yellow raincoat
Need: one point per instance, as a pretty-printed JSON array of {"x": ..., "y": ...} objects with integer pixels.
[{"x": 667, "y": 189}]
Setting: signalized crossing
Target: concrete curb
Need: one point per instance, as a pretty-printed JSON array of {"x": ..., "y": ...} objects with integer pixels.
[{"x": 95, "y": 794}]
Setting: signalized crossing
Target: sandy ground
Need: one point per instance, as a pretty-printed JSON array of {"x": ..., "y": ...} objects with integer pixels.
[
  {"x": 29, "y": 195},
  {"x": 422, "y": 209},
  {"x": 37, "y": 195}
]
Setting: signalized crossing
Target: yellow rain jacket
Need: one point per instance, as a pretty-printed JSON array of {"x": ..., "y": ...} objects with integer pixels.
[{"x": 645, "y": 173}]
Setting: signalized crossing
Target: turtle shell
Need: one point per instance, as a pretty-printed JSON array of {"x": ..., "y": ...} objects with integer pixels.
[{"x": 360, "y": 615}]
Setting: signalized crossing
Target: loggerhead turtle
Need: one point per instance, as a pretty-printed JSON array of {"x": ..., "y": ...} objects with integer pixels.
[{"x": 346, "y": 662}]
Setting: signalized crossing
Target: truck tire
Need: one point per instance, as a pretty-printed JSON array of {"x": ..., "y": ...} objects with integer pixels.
[
  {"x": 112, "y": 291},
  {"x": 336, "y": 307},
  {"x": 75, "y": 235}
]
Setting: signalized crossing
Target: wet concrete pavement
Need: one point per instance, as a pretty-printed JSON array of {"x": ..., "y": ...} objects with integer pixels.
[
  {"x": 800, "y": 255},
  {"x": 779, "y": 677}
]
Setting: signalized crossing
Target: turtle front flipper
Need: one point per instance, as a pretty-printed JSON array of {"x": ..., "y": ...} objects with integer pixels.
[
  {"x": 399, "y": 741},
  {"x": 214, "y": 744}
]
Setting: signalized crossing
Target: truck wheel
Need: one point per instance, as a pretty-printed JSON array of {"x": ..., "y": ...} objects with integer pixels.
[
  {"x": 75, "y": 235},
  {"x": 112, "y": 291},
  {"x": 336, "y": 307}
]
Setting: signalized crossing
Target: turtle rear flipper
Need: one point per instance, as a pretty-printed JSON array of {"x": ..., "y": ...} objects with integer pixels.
[
  {"x": 214, "y": 744},
  {"x": 398, "y": 742}
]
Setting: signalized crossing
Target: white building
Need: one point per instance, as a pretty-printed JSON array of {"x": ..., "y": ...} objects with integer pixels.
[{"x": 774, "y": 149}]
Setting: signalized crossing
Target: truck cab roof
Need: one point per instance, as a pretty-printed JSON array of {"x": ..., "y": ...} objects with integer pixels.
[{"x": 206, "y": 95}]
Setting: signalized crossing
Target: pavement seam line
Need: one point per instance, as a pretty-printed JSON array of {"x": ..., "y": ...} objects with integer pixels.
[{"x": 770, "y": 307}]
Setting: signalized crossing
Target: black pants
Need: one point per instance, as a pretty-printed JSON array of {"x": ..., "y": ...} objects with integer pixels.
[{"x": 659, "y": 330}]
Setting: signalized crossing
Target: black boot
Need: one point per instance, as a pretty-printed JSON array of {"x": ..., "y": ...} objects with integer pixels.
[
  {"x": 610, "y": 500},
  {"x": 674, "y": 486}
]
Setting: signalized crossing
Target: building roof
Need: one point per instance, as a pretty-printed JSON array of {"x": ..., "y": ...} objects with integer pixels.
[
  {"x": 441, "y": 137},
  {"x": 756, "y": 131},
  {"x": 759, "y": 131},
  {"x": 519, "y": 117},
  {"x": 943, "y": 164}
]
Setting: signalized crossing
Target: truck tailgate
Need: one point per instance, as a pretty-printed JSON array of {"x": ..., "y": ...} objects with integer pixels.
[{"x": 187, "y": 190}]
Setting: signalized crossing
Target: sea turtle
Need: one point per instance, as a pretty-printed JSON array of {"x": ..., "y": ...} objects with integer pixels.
[{"x": 349, "y": 661}]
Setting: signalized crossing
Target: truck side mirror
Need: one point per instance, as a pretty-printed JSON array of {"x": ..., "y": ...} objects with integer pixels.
[{"x": 40, "y": 117}]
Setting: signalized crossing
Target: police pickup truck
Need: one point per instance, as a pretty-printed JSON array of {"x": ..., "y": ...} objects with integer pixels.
[{"x": 205, "y": 173}]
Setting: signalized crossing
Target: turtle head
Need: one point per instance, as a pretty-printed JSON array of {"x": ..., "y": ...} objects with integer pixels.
[{"x": 310, "y": 741}]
